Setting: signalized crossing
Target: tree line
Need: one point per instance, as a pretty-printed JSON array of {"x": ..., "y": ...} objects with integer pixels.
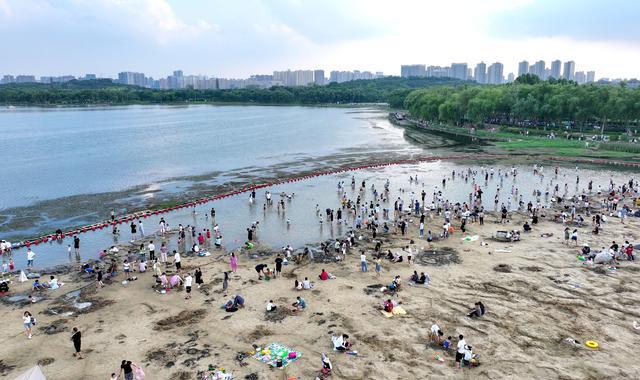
[
  {"x": 392, "y": 90},
  {"x": 528, "y": 101}
]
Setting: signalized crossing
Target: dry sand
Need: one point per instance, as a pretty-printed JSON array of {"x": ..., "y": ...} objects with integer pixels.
[{"x": 543, "y": 296}]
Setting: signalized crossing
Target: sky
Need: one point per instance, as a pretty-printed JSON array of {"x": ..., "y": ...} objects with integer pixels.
[{"x": 238, "y": 38}]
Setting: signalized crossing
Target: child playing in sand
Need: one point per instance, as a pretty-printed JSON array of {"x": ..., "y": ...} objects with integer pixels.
[{"x": 300, "y": 304}]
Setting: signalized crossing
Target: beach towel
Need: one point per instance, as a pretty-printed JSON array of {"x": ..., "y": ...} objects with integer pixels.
[
  {"x": 275, "y": 352},
  {"x": 470, "y": 238},
  {"x": 398, "y": 310}
]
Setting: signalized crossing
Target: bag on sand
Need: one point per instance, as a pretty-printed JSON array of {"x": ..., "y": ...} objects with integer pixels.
[{"x": 139, "y": 373}]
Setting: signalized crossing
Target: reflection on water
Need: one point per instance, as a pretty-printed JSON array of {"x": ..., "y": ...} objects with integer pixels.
[{"x": 297, "y": 224}]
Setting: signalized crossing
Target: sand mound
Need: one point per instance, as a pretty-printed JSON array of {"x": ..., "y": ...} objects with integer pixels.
[
  {"x": 184, "y": 318},
  {"x": 438, "y": 257}
]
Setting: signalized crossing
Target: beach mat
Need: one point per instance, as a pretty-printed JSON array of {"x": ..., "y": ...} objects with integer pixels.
[
  {"x": 274, "y": 352},
  {"x": 398, "y": 310}
]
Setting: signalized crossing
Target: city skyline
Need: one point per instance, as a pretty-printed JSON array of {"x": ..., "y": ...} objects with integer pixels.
[
  {"x": 235, "y": 39},
  {"x": 482, "y": 73}
]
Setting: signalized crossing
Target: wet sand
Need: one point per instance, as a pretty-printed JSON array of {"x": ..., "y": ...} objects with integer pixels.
[{"x": 536, "y": 295}]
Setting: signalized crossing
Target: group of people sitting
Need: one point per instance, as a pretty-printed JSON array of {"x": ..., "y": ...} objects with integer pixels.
[
  {"x": 53, "y": 284},
  {"x": 304, "y": 285},
  {"x": 463, "y": 352},
  {"x": 422, "y": 279}
]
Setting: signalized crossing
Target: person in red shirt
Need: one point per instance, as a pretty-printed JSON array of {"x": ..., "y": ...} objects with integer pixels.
[
  {"x": 324, "y": 275},
  {"x": 388, "y": 306},
  {"x": 629, "y": 251}
]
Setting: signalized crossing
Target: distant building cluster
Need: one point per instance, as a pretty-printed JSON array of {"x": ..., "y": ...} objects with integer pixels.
[
  {"x": 557, "y": 70},
  {"x": 44, "y": 79},
  {"x": 201, "y": 82},
  {"x": 289, "y": 78},
  {"x": 494, "y": 73}
]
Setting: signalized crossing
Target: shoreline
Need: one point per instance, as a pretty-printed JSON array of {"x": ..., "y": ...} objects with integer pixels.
[{"x": 246, "y": 187}]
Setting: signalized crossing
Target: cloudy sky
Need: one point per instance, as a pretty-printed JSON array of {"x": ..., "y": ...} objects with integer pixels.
[{"x": 236, "y": 38}]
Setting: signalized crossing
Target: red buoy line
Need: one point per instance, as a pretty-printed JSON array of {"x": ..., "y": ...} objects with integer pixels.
[{"x": 147, "y": 213}]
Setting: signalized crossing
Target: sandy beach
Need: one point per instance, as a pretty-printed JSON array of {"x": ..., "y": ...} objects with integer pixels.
[{"x": 536, "y": 292}]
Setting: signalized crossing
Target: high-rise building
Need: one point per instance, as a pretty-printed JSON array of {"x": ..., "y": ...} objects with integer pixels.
[
  {"x": 459, "y": 71},
  {"x": 538, "y": 69},
  {"x": 556, "y": 66},
  {"x": 569, "y": 70},
  {"x": 25, "y": 79},
  {"x": 580, "y": 77},
  {"x": 480, "y": 73},
  {"x": 8, "y": 79},
  {"x": 294, "y": 78},
  {"x": 591, "y": 76},
  {"x": 494, "y": 73},
  {"x": 131, "y": 78},
  {"x": 318, "y": 77},
  {"x": 510, "y": 78},
  {"x": 407, "y": 71},
  {"x": 178, "y": 73},
  {"x": 89, "y": 77},
  {"x": 438, "y": 72},
  {"x": 523, "y": 68}
]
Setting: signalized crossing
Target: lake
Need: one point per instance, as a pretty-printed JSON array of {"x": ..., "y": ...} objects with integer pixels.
[{"x": 70, "y": 166}]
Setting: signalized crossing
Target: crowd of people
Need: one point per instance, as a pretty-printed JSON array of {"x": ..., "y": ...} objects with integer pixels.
[{"x": 368, "y": 214}]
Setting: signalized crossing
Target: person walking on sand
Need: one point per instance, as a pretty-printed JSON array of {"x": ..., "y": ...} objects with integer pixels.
[
  {"x": 163, "y": 253},
  {"x": 461, "y": 348},
  {"x": 152, "y": 250},
  {"x": 278, "y": 266},
  {"x": 233, "y": 262},
  {"x": 177, "y": 260},
  {"x": 187, "y": 285},
  {"x": 225, "y": 283},
  {"x": 363, "y": 261},
  {"x": 574, "y": 236},
  {"x": 76, "y": 338},
  {"x": 378, "y": 266},
  {"x": 199, "y": 280},
  {"x": 126, "y": 368},
  {"x": 28, "y": 322}
]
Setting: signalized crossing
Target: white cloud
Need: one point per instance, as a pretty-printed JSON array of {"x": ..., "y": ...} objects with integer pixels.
[{"x": 5, "y": 9}]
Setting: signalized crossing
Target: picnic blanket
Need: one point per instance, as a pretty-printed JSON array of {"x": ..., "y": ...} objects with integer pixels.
[
  {"x": 398, "y": 310},
  {"x": 274, "y": 352}
]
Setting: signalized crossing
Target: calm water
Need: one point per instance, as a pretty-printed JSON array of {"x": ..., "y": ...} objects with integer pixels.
[{"x": 59, "y": 152}]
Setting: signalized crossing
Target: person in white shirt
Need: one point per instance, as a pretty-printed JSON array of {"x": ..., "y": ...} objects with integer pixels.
[
  {"x": 271, "y": 306},
  {"x": 187, "y": 285},
  {"x": 306, "y": 284},
  {"x": 30, "y": 257},
  {"x": 436, "y": 334},
  {"x": 176, "y": 260},
  {"x": 461, "y": 348},
  {"x": 152, "y": 251},
  {"x": 363, "y": 261}
]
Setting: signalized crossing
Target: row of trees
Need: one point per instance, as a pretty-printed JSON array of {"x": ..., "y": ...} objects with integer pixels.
[
  {"x": 527, "y": 99},
  {"x": 384, "y": 90}
]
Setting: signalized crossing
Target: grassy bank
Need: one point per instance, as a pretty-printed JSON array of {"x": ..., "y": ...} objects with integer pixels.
[{"x": 502, "y": 141}]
